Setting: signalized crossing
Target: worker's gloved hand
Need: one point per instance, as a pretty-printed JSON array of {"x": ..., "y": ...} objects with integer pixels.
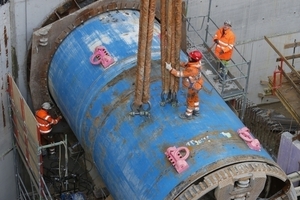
[
  {"x": 168, "y": 66},
  {"x": 216, "y": 41}
]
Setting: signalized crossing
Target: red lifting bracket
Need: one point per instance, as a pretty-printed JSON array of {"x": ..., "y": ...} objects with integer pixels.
[{"x": 279, "y": 71}]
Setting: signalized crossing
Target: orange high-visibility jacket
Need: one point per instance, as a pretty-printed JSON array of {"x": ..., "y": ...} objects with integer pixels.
[
  {"x": 191, "y": 74},
  {"x": 226, "y": 39},
  {"x": 45, "y": 121}
]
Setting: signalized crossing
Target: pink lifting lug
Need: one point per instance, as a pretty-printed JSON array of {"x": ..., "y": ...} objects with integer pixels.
[
  {"x": 101, "y": 56},
  {"x": 175, "y": 157},
  {"x": 252, "y": 143}
]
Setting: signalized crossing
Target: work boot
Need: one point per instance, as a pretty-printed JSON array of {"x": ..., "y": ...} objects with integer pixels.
[
  {"x": 185, "y": 116},
  {"x": 196, "y": 112}
]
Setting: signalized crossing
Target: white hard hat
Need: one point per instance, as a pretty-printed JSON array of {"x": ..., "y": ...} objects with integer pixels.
[
  {"x": 46, "y": 106},
  {"x": 228, "y": 22}
]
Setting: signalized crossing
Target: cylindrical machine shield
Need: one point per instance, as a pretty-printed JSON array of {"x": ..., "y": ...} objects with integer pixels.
[{"x": 129, "y": 151}]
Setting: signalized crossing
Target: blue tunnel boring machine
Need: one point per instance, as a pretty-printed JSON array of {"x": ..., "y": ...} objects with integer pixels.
[{"x": 128, "y": 151}]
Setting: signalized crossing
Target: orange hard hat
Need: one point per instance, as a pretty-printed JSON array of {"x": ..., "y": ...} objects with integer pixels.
[{"x": 195, "y": 55}]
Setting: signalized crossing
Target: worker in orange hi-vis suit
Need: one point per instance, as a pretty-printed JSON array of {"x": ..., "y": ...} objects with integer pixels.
[
  {"x": 45, "y": 123},
  {"x": 224, "y": 39},
  {"x": 192, "y": 80}
]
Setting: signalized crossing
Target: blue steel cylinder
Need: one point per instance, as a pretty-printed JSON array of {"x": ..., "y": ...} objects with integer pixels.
[{"x": 129, "y": 151}]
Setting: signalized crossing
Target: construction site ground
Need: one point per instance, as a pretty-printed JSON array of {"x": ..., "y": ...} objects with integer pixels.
[
  {"x": 287, "y": 90},
  {"x": 277, "y": 107}
]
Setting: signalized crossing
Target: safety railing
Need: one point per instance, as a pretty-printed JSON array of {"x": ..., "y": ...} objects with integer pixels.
[
  {"x": 2, "y": 2},
  {"x": 200, "y": 33}
]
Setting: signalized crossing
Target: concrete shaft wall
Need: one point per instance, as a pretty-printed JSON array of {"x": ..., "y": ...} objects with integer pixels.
[
  {"x": 7, "y": 172},
  {"x": 17, "y": 21},
  {"x": 251, "y": 21}
]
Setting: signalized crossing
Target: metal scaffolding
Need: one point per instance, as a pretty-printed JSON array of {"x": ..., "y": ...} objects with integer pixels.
[
  {"x": 285, "y": 85},
  {"x": 200, "y": 37},
  {"x": 28, "y": 149}
]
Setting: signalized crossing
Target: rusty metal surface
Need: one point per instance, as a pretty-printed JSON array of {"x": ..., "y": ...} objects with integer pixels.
[
  {"x": 54, "y": 31},
  {"x": 259, "y": 121},
  {"x": 102, "y": 123},
  {"x": 118, "y": 141},
  {"x": 266, "y": 124},
  {"x": 224, "y": 182},
  {"x": 25, "y": 132}
]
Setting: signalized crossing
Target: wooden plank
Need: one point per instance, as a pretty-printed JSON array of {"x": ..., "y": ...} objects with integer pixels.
[
  {"x": 291, "y": 82},
  {"x": 282, "y": 57},
  {"x": 291, "y": 45},
  {"x": 26, "y": 126},
  {"x": 289, "y": 57},
  {"x": 288, "y": 95}
]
